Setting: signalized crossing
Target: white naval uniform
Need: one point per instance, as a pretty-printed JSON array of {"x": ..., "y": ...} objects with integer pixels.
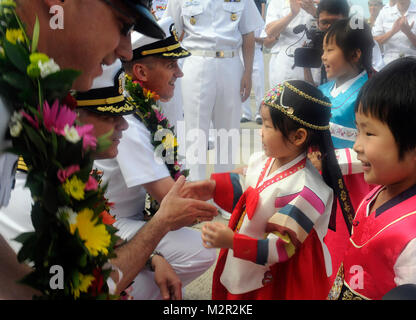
[
  {"x": 15, "y": 217},
  {"x": 7, "y": 160},
  {"x": 211, "y": 85},
  {"x": 257, "y": 79},
  {"x": 398, "y": 45},
  {"x": 281, "y": 63},
  {"x": 134, "y": 166}
]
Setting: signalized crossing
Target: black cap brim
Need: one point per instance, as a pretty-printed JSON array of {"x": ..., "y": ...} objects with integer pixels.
[{"x": 145, "y": 22}]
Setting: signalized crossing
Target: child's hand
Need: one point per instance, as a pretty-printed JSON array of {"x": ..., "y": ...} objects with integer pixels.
[{"x": 217, "y": 235}]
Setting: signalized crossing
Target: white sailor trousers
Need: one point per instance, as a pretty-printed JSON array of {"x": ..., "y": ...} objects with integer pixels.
[
  {"x": 257, "y": 81},
  {"x": 183, "y": 250},
  {"x": 211, "y": 91}
]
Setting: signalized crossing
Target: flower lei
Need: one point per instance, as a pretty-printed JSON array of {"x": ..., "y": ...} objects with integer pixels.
[
  {"x": 70, "y": 214},
  {"x": 148, "y": 112}
]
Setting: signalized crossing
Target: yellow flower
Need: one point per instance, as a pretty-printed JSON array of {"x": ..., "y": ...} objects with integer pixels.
[
  {"x": 37, "y": 57},
  {"x": 96, "y": 237},
  {"x": 83, "y": 284},
  {"x": 14, "y": 35},
  {"x": 75, "y": 188},
  {"x": 170, "y": 141},
  {"x": 10, "y": 3}
]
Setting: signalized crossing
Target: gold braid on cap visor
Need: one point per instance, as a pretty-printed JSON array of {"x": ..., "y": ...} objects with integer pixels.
[{"x": 278, "y": 92}]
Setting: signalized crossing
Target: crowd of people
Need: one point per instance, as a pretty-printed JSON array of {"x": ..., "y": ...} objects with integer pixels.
[{"x": 333, "y": 188}]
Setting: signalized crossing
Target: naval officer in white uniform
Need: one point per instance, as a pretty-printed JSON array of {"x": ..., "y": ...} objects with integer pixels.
[{"x": 215, "y": 83}]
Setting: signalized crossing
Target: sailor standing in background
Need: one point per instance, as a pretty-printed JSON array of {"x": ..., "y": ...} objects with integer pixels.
[
  {"x": 395, "y": 30},
  {"x": 215, "y": 81},
  {"x": 258, "y": 71},
  {"x": 173, "y": 109}
]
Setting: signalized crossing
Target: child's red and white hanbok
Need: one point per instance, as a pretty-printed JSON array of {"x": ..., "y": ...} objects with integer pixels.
[{"x": 280, "y": 220}]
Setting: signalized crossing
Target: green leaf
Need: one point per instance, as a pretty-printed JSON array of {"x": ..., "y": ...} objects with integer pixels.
[
  {"x": 61, "y": 80},
  {"x": 23, "y": 237},
  {"x": 35, "y": 37},
  {"x": 17, "y": 55},
  {"x": 36, "y": 139},
  {"x": 54, "y": 143},
  {"x": 83, "y": 261},
  {"x": 16, "y": 80},
  {"x": 27, "y": 250}
]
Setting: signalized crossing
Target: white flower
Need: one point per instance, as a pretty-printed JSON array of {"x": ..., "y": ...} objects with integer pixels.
[
  {"x": 15, "y": 129},
  {"x": 15, "y": 124},
  {"x": 67, "y": 214},
  {"x": 71, "y": 134},
  {"x": 155, "y": 107},
  {"x": 47, "y": 68}
]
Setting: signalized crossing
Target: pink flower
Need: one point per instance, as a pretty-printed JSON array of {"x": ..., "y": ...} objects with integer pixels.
[
  {"x": 64, "y": 174},
  {"x": 159, "y": 116},
  {"x": 88, "y": 138},
  {"x": 91, "y": 184},
  {"x": 57, "y": 117},
  {"x": 33, "y": 122}
]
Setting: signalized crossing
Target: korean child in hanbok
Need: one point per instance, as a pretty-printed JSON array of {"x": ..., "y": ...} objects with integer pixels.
[
  {"x": 273, "y": 246},
  {"x": 347, "y": 58},
  {"x": 381, "y": 252}
]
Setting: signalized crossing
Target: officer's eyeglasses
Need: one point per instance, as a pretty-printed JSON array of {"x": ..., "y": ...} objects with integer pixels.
[{"x": 127, "y": 27}]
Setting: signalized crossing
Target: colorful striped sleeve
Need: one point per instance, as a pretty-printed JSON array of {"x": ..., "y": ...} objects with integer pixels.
[
  {"x": 228, "y": 189},
  {"x": 286, "y": 230}
]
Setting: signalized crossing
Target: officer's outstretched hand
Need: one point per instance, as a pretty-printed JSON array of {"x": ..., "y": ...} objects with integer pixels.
[
  {"x": 177, "y": 211},
  {"x": 200, "y": 190}
]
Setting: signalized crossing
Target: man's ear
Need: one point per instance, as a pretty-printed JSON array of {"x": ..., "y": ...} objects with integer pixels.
[
  {"x": 140, "y": 72},
  {"x": 299, "y": 137}
]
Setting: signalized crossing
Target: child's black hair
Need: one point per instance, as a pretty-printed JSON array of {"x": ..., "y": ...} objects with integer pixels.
[
  {"x": 309, "y": 112},
  {"x": 286, "y": 125},
  {"x": 297, "y": 104},
  {"x": 349, "y": 39},
  {"x": 390, "y": 97},
  {"x": 334, "y": 7}
]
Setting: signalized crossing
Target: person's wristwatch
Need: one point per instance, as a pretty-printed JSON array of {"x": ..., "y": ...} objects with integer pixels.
[{"x": 149, "y": 261}]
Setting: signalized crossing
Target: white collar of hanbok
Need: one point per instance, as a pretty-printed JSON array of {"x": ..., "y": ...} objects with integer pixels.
[{"x": 345, "y": 86}]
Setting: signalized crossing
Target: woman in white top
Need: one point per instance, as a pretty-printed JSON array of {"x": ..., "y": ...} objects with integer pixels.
[{"x": 395, "y": 30}]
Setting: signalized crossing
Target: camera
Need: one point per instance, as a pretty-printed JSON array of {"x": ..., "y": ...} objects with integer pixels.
[{"x": 309, "y": 56}]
